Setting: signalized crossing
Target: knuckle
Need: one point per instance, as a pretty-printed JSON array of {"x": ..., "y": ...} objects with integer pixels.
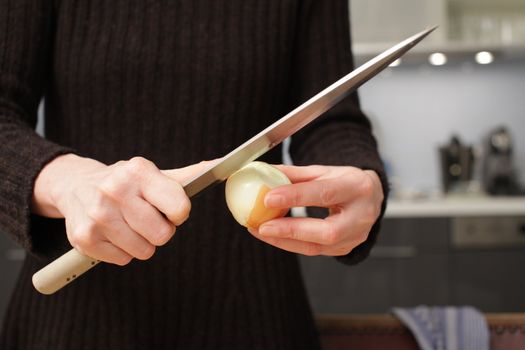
[
  {"x": 343, "y": 251},
  {"x": 99, "y": 213},
  {"x": 295, "y": 196},
  {"x": 83, "y": 239},
  {"x": 290, "y": 231},
  {"x": 122, "y": 260},
  {"x": 118, "y": 164},
  {"x": 139, "y": 161},
  {"x": 327, "y": 195},
  {"x": 100, "y": 197},
  {"x": 315, "y": 168},
  {"x": 138, "y": 165},
  {"x": 370, "y": 215},
  {"x": 147, "y": 252},
  {"x": 185, "y": 207},
  {"x": 141, "y": 216},
  {"x": 366, "y": 188},
  {"x": 374, "y": 213},
  {"x": 312, "y": 249},
  {"x": 332, "y": 235},
  {"x": 163, "y": 235},
  {"x": 112, "y": 186},
  {"x": 182, "y": 212},
  {"x": 363, "y": 237}
]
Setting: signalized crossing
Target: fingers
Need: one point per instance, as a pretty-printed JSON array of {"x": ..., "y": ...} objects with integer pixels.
[
  {"x": 353, "y": 196},
  {"x": 168, "y": 196},
  {"x": 320, "y": 193},
  {"x": 116, "y": 214},
  {"x": 310, "y": 248},
  {"x": 341, "y": 249},
  {"x": 302, "y": 229},
  {"x": 108, "y": 252},
  {"x": 144, "y": 219},
  {"x": 104, "y": 222},
  {"x": 161, "y": 191},
  {"x": 166, "y": 193},
  {"x": 302, "y": 173},
  {"x": 291, "y": 245},
  {"x": 337, "y": 185},
  {"x": 111, "y": 241},
  {"x": 337, "y": 235},
  {"x": 90, "y": 242},
  {"x": 330, "y": 231},
  {"x": 123, "y": 237}
]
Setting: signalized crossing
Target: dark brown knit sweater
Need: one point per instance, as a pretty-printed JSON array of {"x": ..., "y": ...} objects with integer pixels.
[{"x": 176, "y": 82}]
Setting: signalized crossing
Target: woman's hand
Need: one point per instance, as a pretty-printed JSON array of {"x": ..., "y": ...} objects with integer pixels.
[
  {"x": 354, "y": 199},
  {"x": 114, "y": 213}
]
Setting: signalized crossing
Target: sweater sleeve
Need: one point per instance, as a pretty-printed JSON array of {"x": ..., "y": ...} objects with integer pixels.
[
  {"x": 25, "y": 40},
  {"x": 343, "y": 135}
]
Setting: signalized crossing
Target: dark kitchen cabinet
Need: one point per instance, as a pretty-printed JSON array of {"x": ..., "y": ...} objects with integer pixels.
[
  {"x": 414, "y": 262},
  {"x": 493, "y": 279}
]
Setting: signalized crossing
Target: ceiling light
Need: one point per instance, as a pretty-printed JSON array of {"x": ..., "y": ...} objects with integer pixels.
[
  {"x": 484, "y": 57},
  {"x": 437, "y": 59},
  {"x": 395, "y": 63}
]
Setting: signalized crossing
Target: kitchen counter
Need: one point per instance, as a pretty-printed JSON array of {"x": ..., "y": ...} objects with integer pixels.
[{"x": 456, "y": 207}]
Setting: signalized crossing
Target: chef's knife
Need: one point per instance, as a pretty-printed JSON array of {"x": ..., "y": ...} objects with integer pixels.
[{"x": 69, "y": 266}]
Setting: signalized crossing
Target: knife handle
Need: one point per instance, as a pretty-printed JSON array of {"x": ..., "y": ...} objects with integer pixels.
[{"x": 62, "y": 271}]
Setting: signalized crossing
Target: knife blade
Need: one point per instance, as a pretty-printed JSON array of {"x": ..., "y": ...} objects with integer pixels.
[
  {"x": 72, "y": 264},
  {"x": 299, "y": 117}
]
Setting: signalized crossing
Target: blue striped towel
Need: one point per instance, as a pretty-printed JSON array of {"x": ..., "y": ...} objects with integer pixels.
[{"x": 446, "y": 328}]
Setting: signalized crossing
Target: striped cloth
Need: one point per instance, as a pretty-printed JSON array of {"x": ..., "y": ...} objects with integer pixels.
[{"x": 446, "y": 328}]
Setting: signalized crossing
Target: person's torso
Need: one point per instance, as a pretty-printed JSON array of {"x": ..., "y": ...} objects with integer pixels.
[{"x": 175, "y": 81}]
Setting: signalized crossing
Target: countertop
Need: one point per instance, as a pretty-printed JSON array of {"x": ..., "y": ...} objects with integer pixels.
[{"x": 456, "y": 207}]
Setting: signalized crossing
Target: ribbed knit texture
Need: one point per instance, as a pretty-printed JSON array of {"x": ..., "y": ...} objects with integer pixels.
[{"x": 176, "y": 82}]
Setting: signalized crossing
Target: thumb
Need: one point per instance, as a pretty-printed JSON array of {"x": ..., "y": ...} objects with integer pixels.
[{"x": 183, "y": 174}]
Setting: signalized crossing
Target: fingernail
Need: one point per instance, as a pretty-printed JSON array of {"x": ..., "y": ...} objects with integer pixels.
[
  {"x": 268, "y": 230},
  {"x": 274, "y": 200}
]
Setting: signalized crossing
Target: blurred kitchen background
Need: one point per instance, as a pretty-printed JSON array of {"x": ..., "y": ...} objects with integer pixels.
[{"x": 450, "y": 121}]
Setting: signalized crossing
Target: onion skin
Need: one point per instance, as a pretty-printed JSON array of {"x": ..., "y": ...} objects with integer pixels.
[
  {"x": 260, "y": 214},
  {"x": 246, "y": 190}
]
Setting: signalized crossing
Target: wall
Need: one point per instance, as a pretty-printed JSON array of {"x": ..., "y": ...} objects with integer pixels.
[{"x": 416, "y": 108}]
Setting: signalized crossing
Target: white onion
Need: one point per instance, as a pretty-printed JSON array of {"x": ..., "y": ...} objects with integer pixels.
[{"x": 245, "y": 191}]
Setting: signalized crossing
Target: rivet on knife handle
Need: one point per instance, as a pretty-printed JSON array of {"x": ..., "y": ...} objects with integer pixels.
[{"x": 62, "y": 271}]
